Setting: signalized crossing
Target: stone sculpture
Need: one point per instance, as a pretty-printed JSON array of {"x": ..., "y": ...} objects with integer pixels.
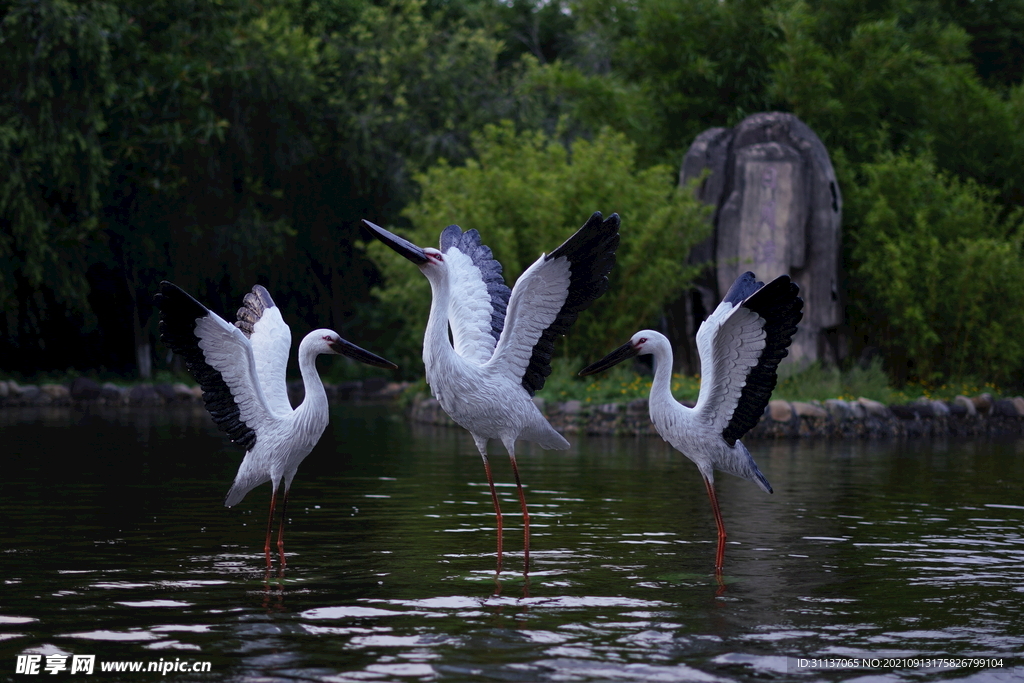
[{"x": 778, "y": 210}]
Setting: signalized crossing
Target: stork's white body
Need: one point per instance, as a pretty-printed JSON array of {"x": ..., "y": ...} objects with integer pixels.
[
  {"x": 481, "y": 391},
  {"x": 285, "y": 436},
  {"x": 491, "y": 407}
]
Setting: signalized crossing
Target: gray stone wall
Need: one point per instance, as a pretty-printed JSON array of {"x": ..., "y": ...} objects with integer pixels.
[
  {"x": 963, "y": 416},
  {"x": 778, "y": 210}
]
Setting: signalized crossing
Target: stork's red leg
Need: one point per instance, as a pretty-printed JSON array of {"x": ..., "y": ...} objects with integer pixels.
[
  {"x": 497, "y": 507},
  {"x": 270, "y": 525},
  {"x": 526, "y": 516},
  {"x": 280, "y": 530},
  {"x": 720, "y": 555}
]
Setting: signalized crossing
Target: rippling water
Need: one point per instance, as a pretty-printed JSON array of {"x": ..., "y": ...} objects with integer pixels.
[{"x": 116, "y": 544}]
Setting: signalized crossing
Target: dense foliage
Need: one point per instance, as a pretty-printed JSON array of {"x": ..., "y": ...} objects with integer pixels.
[
  {"x": 939, "y": 271},
  {"x": 58, "y": 84},
  {"x": 223, "y": 143}
]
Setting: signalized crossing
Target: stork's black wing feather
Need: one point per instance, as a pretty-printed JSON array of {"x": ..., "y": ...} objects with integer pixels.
[
  {"x": 779, "y": 305},
  {"x": 744, "y": 286},
  {"x": 178, "y": 315},
  {"x": 591, "y": 255}
]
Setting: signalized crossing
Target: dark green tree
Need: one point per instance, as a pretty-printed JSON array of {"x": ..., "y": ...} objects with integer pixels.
[
  {"x": 401, "y": 85},
  {"x": 880, "y": 81},
  {"x": 210, "y": 117},
  {"x": 56, "y": 65}
]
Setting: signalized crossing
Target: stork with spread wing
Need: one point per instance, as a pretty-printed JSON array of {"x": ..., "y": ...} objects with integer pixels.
[
  {"x": 241, "y": 370},
  {"x": 501, "y": 341},
  {"x": 740, "y": 346}
]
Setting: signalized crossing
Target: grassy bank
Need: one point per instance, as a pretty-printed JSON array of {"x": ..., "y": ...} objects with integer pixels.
[{"x": 816, "y": 382}]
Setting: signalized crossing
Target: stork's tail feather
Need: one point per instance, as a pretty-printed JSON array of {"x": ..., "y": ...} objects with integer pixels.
[
  {"x": 235, "y": 496},
  {"x": 761, "y": 481},
  {"x": 741, "y": 464},
  {"x": 245, "y": 481},
  {"x": 544, "y": 435}
]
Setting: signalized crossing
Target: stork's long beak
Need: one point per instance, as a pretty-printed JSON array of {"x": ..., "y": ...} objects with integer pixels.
[
  {"x": 402, "y": 246},
  {"x": 347, "y": 348},
  {"x": 620, "y": 354}
]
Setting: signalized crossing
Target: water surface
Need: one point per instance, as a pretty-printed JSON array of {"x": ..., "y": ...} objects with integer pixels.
[{"x": 117, "y": 544}]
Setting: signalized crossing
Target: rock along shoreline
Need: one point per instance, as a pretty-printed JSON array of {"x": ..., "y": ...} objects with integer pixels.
[
  {"x": 963, "y": 416},
  {"x": 85, "y": 391}
]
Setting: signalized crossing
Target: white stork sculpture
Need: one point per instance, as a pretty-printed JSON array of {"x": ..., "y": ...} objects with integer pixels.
[
  {"x": 241, "y": 369},
  {"x": 503, "y": 340},
  {"x": 740, "y": 347}
]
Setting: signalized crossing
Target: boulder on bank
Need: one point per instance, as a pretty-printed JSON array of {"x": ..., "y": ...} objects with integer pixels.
[
  {"x": 84, "y": 389},
  {"x": 144, "y": 395},
  {"x": 111, "y": 393},
  {"x": 56, "y": 394}
]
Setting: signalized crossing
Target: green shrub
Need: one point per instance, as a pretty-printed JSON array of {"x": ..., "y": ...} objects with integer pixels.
[
  {"x": 818, "y": 382},
  {"x": 617, "y": 385},
  {"x": 938, "y": 273},
  {"x": 814, "y": 383},
  {"x": 527, "y": 193}
]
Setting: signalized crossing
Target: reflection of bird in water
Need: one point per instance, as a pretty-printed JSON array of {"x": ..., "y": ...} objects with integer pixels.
[
  {"x": 241, "y": 369},
  {"x": 740, "y": 346},
  {"x": 503, "y": 340}
]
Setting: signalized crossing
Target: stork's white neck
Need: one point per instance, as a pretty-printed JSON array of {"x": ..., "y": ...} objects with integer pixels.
[
  {"x": 437, "y": 348},
  {"x": 661, "y": 388},
  {"x": 313, "y": 411}
]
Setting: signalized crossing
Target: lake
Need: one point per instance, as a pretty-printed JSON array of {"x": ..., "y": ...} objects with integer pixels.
[{"x": 873, "y": 560}]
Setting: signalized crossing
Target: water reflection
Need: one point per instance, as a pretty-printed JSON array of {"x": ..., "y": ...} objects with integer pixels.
[{"x": 865, "y": 550}]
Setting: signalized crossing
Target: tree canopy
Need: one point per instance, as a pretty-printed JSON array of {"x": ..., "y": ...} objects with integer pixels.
[{"x": 218, "y": 144}]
